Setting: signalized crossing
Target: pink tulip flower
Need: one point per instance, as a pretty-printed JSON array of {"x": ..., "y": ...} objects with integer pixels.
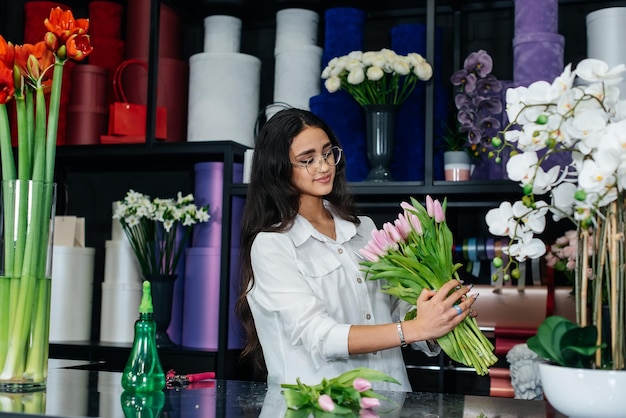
[
  {"x": 383, "y": 241},
  {"x": 415, "y": 223},
  {"x": 368, "y": 413},
  {"x": 369, "y": 254},
  {"x": 392, "y": 231},
  {"x": 429, "y": 206},
  {"x": 369, "y": 403},
  {"x": 438, "y": 212},
  {"x": 403, "y": 226},
  {"x": 326, "y": 403},
  {"x": 408, "y": 207},
  {"x": 361, "y": 384}
]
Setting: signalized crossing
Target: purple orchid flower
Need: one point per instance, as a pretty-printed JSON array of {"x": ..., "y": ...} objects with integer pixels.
[
  {"x": 478, "y": 62},
  {"x": 488, "y": 85},
  {"x": 467, "y": 81}
]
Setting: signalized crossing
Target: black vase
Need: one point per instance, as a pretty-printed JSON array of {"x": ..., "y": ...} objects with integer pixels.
[
  {"x": 380, "y": 133},
  {"x": 162, "y": 286}
]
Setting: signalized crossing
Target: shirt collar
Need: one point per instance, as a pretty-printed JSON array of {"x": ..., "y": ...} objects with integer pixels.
[{"x": 302, "y": 230}]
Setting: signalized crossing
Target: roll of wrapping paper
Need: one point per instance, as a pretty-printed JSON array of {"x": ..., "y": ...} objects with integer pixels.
[
  {"x": 120, "y": 304},
  {"x": 202, "y": 300}
]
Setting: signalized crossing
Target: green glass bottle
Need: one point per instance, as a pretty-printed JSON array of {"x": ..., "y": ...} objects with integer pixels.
[{"x": 143, "y": 372}]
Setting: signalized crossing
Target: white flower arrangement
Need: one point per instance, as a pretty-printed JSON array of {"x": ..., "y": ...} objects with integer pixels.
[
  {"x": 580, "y": 116},
  {"x": 152, "y": 227},
  {"x": 376, "y": 77}
]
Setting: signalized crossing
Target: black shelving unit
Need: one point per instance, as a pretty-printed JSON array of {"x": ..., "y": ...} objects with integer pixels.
[{"x": 466, "y": 200}]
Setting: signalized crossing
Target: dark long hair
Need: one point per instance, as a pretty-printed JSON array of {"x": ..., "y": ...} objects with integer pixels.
[{"x": 273, "y": 202}]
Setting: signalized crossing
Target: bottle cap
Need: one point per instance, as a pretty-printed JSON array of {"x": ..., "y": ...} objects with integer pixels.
[{"x": 146, "y": 299}]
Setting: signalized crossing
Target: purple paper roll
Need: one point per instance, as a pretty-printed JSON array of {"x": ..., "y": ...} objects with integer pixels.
[
  {"x": 175, "y": 329},
  {"x": 202, "y": 299},
  {"x": 537, "y": 56},
  {"x": 536, "y": 16},
  {"x": 209, "y": 187}
]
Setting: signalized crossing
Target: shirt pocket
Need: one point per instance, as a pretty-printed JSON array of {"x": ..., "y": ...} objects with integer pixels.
[{"x": 318, "y": 268}]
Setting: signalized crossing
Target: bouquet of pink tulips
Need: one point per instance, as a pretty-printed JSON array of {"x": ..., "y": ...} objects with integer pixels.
[{"x": 415, "y": 252}]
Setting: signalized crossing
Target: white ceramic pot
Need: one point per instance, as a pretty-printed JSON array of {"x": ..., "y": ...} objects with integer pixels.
[
  {"x": 584, "y": 393},
  {"x": 456, "y": 165}
]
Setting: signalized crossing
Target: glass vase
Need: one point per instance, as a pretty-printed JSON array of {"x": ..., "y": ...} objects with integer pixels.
[
  {"x": 27, "y": 219},
  {"x": 380, "y": 135}
]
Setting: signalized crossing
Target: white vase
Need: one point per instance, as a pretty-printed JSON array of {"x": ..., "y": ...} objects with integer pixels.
[
  {"x": 584, "y": 393},
  {"x": 456, "y": 165}
]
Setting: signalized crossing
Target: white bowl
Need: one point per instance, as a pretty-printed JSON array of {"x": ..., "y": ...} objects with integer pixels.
[{"x": 584, "y": 393}]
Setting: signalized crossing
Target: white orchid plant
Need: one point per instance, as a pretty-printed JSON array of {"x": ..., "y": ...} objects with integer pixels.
[
  {"x": 376, "y": 77},
  {"x": 579, "y": 122}
]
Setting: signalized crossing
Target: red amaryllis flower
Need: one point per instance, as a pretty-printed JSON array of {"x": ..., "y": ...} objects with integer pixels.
[
  {"x": 34, "y": 62},
  {"x": 7, "y": 52},
  {"x": 78, "y": 47},
  {"x": 7, "y": 87},
  {"x": 63, "y": 25}
]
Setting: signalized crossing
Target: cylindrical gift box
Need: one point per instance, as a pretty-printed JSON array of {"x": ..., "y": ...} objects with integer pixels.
[
  {"x": 606, "y": 30},
  {"x": 105, "y": 19},
  {"x": 120, "y": 310},
  {"x": 222, "y": 33},
  {"x": 536, "y": 16},
  {"x": 72, "y": 290},
  {"x": 343, "y": 32},
  {"x": 223, "y": 97},
  {"x": 537, "y": 56},
  {"x": 88, "y": 124},
  {"x": 295, "y": 28},
  {"x": 89, "y": 86},
  {"x": 297, "y": 75},
  {"x": 202, "y": 300},
  {"x": 172, "y": 89},
  {"x": 209, "y": 184},
  {"x": 120, "y": 263},
  {"x": 138, "y": 30}
]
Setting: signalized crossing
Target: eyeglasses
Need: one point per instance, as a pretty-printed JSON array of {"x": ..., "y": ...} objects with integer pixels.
[{"x": 314, "y": 164}]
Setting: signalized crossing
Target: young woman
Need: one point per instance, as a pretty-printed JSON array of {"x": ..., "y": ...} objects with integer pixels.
[{"x": 305, "y": 302}]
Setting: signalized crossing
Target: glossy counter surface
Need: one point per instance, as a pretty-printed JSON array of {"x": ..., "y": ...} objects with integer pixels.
[{"x": 87, "y": 393}]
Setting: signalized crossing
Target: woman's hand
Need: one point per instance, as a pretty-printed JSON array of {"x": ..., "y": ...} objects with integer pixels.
[{"x": 438, "y": 312}]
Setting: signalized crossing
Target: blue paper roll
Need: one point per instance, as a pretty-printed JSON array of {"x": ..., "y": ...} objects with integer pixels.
[
  {"x": 343, "y": 32},
  {"x": 408, "y": 156}
]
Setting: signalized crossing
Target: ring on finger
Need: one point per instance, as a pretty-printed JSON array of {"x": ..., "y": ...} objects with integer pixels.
[{"x": 459, "y": 310}]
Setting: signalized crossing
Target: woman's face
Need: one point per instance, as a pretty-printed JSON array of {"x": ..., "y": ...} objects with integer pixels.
[{"x": 308, "y": 147}]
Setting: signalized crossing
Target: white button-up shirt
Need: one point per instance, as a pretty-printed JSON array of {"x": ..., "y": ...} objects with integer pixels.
[{"x": 308, "y": 291}]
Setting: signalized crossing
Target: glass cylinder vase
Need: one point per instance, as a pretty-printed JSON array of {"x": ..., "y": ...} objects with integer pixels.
[
  {"x": 380, "y": 135},
  {"x": 27, "y": 220}
]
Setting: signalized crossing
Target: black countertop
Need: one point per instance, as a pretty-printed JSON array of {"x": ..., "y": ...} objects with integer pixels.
[{"x": 75, "y": 391}]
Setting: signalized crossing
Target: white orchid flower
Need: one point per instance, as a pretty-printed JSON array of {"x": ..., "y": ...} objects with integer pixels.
[
  {"x": 593, "y": 70},
  {"x": 529, "y": 219},
  {"x": 522, "y": 250},
  {"x": 562, "y": 200},
  {"x": 521, "y": 167},
  {"x": 500, "y": 220},
  {"x": 597, "y": 175}
]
